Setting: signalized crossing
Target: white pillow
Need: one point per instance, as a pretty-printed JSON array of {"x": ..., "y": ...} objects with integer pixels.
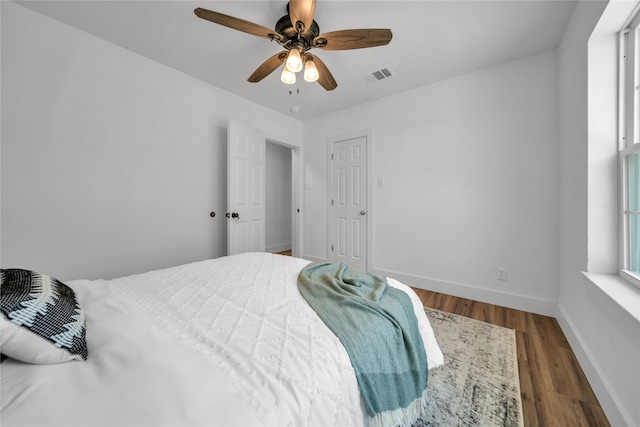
[{"x": 41, "y": 319}]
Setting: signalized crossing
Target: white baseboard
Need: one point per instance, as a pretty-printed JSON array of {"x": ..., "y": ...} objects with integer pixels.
[
  {"x": 601, "y": 387},
  {"x": 504, "y": 299}
]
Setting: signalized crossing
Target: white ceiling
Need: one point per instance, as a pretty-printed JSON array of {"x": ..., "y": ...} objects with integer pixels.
[{"x": 432, "y": 41}]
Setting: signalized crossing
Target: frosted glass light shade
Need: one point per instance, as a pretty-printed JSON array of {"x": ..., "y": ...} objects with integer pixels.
[
  {"x": 287, "y": 76},
  {"x": 294, "y": 60},
  {"x": 310, "y": 71}
]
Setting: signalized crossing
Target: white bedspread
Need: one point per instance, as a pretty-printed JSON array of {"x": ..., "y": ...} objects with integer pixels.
[{"x": 227, "y": 342}]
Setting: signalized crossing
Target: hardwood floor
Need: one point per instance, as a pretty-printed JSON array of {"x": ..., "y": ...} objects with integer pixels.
[{"x": 553, "y": 387}]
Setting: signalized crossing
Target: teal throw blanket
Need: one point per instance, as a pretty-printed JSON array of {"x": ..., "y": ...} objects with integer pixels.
[{"x": 378, "y": 328}]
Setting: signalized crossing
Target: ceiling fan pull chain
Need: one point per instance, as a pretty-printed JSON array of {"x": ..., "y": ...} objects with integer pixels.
[{"x": 297, "y": 91}]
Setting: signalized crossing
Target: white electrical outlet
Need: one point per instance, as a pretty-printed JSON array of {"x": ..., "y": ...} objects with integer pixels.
[{"x": 501, "y": 274}]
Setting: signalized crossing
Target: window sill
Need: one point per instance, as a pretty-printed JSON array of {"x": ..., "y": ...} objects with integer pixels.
[{"x": 622, "y": 293}]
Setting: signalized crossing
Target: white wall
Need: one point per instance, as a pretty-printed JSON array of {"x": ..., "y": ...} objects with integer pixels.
[
  {"x": 471, "y": 183},
  {"x": 278, "y": 197},
  {"x": 111, "y": 162},
  {"x": 604, "y": 337}
]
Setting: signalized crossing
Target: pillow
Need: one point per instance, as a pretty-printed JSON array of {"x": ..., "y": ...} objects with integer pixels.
[{"x": 41, "y": 319}]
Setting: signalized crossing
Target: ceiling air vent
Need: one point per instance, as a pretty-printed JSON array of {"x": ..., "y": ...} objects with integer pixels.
[{"x": 381, "y": 74}]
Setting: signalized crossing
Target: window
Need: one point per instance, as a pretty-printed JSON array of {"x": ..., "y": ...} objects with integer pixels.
[{"x": 630, "y": 149}]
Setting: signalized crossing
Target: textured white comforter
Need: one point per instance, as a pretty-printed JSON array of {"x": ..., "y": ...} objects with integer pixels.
[{"x": 227, "y": 342}]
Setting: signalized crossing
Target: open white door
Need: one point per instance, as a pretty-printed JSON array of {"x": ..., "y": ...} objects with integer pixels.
[{"x": 246, "y": 149}]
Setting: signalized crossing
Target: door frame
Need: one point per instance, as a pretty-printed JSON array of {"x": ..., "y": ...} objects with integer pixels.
[{"x": 368, "y": 135}]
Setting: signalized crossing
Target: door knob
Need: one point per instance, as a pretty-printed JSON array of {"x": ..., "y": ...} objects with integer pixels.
[
  {"x": 235, "y": 215},
  {"x": 362, "y": 212}
]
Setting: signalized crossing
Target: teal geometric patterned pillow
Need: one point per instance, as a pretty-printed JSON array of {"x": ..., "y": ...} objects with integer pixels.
[{"x": 41, "y": 319}]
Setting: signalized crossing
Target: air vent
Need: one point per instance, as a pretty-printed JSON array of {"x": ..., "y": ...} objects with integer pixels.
[{"x": 378, "y": 75}]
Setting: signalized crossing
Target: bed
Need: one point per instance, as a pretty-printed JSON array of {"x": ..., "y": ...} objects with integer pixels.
[{"x": 222, "y": 342}]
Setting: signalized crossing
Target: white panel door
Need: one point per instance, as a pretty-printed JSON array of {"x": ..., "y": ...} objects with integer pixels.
[
  {"x": 349, "y": 202},
  {"x": 245, "y": 189}
]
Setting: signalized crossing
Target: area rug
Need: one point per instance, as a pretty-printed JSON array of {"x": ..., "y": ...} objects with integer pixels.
[{"x": 478, "y": 384}]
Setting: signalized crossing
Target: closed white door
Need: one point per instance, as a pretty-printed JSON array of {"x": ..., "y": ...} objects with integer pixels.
[
  {"x": 349, "y": 202},
  {"x": 245, "y": 189}
]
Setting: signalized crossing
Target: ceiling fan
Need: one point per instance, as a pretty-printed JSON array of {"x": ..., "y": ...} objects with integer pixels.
[{"x": 298, "y": 33}]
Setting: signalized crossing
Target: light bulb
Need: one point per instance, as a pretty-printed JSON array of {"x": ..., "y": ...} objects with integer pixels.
[
  {"x": 287, "y": 76},
  {"x": 294, "y": 60},
  {"x": 310, "y": 71}
]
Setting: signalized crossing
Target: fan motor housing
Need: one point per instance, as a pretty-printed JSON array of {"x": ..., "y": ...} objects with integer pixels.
[{"x": 287, "y": 30}]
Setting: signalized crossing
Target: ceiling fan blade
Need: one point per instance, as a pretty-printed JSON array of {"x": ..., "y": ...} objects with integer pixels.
[
  {"x": 268, "y": 67},
  {"x": 236, "y": 23},
  {"x": 353, "y": 39},
  {"x": 302, "y": 11},
  {"x": 326, "y": 79}
]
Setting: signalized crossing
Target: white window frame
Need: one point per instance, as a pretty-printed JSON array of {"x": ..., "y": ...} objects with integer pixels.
[{"x": 629, "y": 129}]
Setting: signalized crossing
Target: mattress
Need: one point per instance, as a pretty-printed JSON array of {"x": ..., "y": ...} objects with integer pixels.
[{"x": 222, "y": 342}]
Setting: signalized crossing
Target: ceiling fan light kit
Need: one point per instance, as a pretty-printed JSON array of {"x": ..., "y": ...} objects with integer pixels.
[{"x": 298, "y": 33}]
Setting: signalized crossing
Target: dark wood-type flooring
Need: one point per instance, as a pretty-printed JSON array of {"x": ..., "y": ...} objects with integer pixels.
[{"x": 554, "y": 389}]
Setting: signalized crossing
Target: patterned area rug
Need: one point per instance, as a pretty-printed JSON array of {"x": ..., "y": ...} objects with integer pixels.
[{"x": 478, "y": 384}]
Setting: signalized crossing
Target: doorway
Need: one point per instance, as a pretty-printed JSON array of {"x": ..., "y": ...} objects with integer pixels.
[{"x": 279, "y": 198}]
